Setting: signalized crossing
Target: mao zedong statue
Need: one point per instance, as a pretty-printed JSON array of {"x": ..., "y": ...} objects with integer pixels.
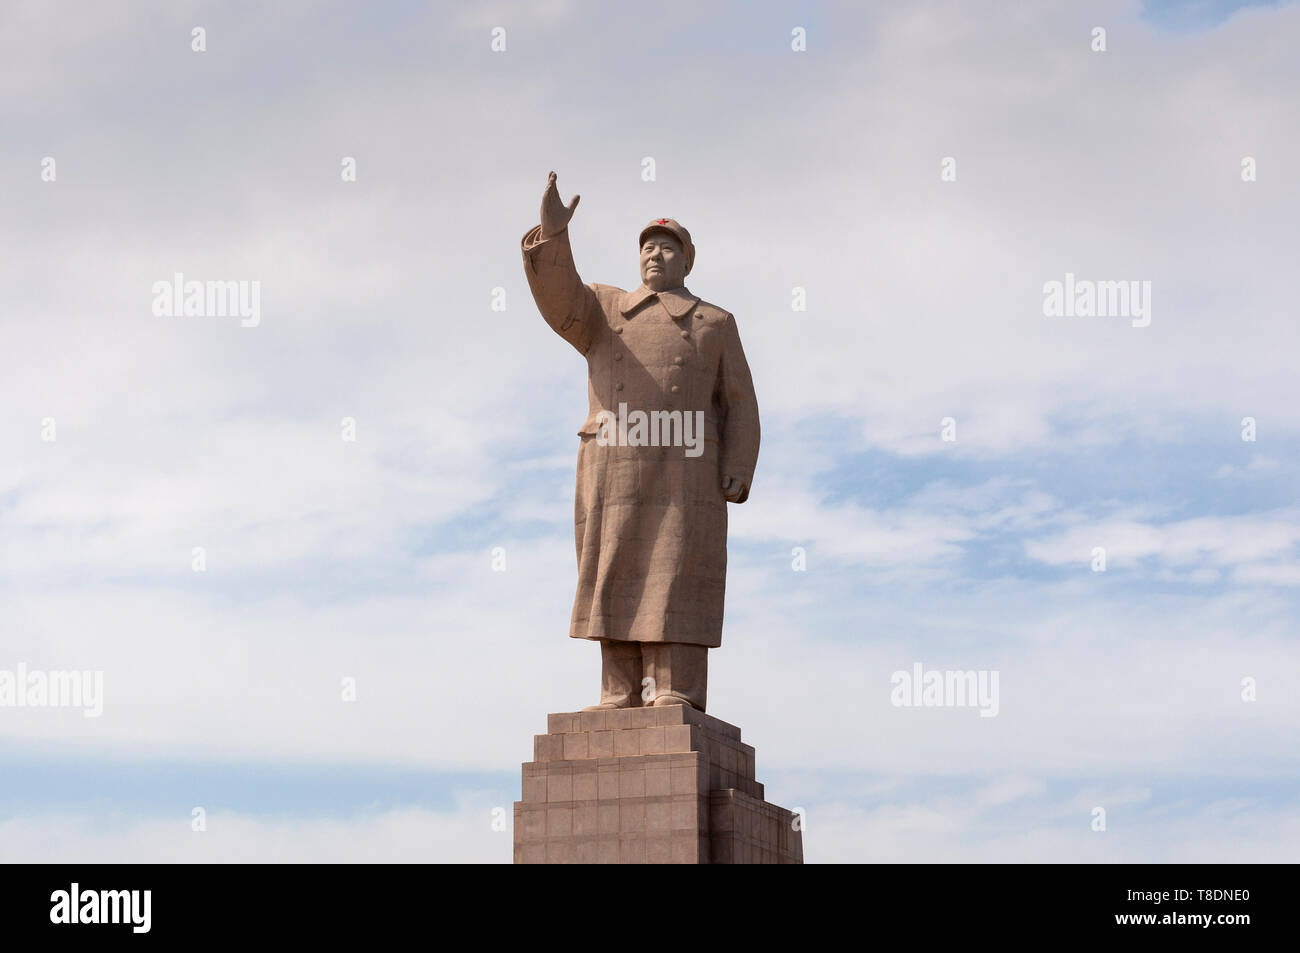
[{"x": 671, "y": 437}]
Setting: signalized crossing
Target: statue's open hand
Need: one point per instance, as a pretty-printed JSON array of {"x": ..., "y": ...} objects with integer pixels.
[
  {"x": 732, "y": 489},
  {"x": 555, "y": 214}
]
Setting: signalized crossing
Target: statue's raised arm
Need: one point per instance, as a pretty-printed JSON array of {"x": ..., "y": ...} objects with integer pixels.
[{"x": 565, "y": 302}]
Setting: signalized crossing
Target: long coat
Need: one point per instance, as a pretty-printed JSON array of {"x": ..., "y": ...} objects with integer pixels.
[{"x": 650, "y": 522}]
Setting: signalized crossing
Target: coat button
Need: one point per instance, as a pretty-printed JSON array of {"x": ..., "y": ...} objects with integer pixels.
[
  {"x": 618, "y": 386},
  {"x": 677, "y": 361},
  {"x": 619, "y": 329},
  {"x": 618, "y": 356},
  {"x": 699, "y": 316},
  {"x": 686, "y": 334},
  {"x": 675, "y": 388}
]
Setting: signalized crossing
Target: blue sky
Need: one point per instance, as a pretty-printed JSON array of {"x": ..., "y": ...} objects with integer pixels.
[
  {"x": 372, "y": 559},
  {"x": 1195, "y": 14}
]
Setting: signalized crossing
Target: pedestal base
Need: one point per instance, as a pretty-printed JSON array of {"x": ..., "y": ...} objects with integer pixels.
[{"x": 647, "y": 786}]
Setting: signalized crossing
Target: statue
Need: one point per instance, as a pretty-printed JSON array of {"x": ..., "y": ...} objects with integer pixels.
[{"x": 670, "y": 438}]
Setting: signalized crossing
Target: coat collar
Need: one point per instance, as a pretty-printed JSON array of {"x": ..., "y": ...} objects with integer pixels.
[{"x": 677, "y": 302}]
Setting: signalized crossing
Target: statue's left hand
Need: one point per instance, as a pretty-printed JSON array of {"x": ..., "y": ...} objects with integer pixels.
[{"x": 732, "y": 489}]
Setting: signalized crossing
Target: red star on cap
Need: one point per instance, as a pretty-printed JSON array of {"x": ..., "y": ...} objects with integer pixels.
[{"x": 662, "y": 221}]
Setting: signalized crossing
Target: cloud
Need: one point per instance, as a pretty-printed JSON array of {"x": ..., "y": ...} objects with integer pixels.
[
  {"x": 408, "y": 836},
  {"x": 1251, "y": 543},
  {"x": 962, "y": 829}
]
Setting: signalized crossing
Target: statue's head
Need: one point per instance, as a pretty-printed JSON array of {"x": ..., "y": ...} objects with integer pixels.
[{"x": 666, "y": 255}]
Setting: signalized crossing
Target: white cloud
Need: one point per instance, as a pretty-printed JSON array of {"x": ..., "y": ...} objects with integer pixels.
[
  {"x": 1250, "y": 542},
  {"x": 963, "y": 830},
  {"x": 463, "y": 835}
]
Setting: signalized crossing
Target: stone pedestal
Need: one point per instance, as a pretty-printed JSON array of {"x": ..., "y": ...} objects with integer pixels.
[{"x": 647, "y": 785}]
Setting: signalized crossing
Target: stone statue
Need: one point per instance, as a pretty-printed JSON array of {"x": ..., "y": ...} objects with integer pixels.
[{"x": 670, "y": 439}]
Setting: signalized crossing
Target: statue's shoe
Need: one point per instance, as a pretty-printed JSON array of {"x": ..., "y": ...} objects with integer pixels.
[
  {"x": 610, "y": 706},
  {"x": 662, "y": 701}
]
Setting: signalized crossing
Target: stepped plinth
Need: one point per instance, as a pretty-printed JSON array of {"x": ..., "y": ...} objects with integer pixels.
[{"x": 647, "y": 785}]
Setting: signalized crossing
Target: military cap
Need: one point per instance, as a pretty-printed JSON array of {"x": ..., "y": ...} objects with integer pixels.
[{"x": 674, "y": 228}]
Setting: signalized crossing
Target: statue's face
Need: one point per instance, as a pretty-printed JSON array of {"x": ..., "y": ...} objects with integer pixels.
[{"x": 663, "y": 263}]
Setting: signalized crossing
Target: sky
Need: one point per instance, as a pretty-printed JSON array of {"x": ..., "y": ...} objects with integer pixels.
[{"x": 823, "y": 170}]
